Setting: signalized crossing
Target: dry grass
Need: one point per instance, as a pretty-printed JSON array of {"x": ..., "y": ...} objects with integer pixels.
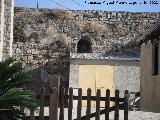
[
  {"x": 82, "y": 25},
  {"x": 93, "y": 26},
  {"x": 62, "y": 14}
]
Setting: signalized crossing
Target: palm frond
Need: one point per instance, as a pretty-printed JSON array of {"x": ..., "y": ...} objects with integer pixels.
[{"x": 12, "y": 78}]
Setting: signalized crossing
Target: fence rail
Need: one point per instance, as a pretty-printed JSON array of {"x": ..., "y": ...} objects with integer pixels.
[
  {"x": 55, "y": 103},
  {"x": 62, "y": 98}
]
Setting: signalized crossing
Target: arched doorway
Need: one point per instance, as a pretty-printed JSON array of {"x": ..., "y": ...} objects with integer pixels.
[{"x": 84, "y": 45}]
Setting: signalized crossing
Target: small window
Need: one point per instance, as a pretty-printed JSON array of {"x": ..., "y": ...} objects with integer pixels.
[
  {"x": 156, "y": 58},
  {"x": 84, "y": 46}
]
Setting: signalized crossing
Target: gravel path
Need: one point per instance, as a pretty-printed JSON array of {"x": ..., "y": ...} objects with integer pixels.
[
  {"x": 139, "y": 115},
  {"x": 133, "y": 115}
]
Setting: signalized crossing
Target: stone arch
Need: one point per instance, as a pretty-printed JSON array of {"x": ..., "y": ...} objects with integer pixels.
[{"x": 84, "y": 45}]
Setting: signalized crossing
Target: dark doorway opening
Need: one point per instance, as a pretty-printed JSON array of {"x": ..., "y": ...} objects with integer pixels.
[{"x": 84, "y": 45}]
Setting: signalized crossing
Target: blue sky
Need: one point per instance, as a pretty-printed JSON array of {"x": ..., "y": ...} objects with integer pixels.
[{"x": 107, "y": 5}]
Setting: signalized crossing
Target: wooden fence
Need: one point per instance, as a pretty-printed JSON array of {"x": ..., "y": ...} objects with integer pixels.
[{"x": 55, "y": 103}]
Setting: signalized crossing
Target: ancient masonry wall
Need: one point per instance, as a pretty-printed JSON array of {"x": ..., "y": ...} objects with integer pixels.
[
  {"x": 6, "y": 28},
  {"x": 44, "y": 38}
]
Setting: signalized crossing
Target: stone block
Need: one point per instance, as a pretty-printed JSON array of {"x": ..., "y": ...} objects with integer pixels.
[{"x": 35, "y": 52}]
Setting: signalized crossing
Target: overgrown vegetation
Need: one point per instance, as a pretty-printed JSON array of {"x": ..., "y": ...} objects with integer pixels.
[
  {"x": 12, "y": 77},
  {"x": 82, "y": 25}
]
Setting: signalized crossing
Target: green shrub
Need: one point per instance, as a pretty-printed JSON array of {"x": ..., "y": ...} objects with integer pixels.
[{"x": 12, "y": 78}]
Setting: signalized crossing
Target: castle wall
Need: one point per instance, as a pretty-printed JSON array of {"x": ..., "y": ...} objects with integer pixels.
[
  {"x": 44, "y": 38},
  {"x": 108, "y": 31}
]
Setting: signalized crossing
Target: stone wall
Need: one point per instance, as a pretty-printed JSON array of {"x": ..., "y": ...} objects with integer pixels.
[
  {"x": 107, "y": 31},
  {"x": 44, "y": 38},
  {"x": 127, "y": 77},
  {"x": 6, "y": 28},
  {"x": 43, "y": 57}
]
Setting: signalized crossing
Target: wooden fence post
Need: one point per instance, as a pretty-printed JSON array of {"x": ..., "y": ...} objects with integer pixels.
[
  {"x": 66, "y": 99},
  {"x": 79, "y": 106},
  {"x": 54, "y": 97},
  {"x": 107, "y": 104},
  {"x": 22, "y": 109},
  {"x": 70, "y": 106},
  {"x": 55, "y": 82},
  {"x": 32, "y": 110},
  {"x": 116, "y": 114},
  {"x": 88, "y": 111},
  {"x": 61, "y": 115},
  {"x": 98, "y": 95},
  {"x": 53, "y": 104},
  {"x": 126, "y": 97},
  {"x": 42, "y": 95}
]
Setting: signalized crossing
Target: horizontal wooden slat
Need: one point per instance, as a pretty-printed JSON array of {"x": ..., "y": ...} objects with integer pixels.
[
  {"x": 103, "y": 111},
  {"x": 93, "y": 98}
]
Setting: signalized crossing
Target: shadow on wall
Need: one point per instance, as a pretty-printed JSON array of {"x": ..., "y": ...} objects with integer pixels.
[
  {"x": 130, "y": 47},
  {"x": 48, "y": 73}
]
